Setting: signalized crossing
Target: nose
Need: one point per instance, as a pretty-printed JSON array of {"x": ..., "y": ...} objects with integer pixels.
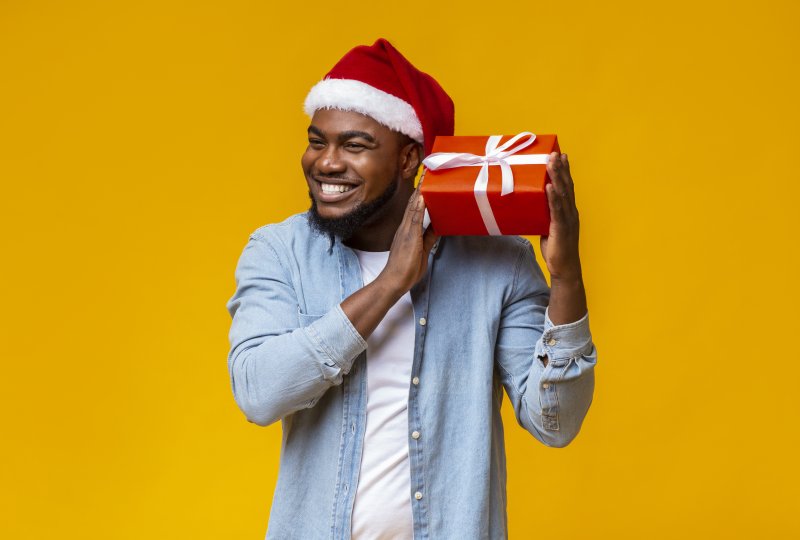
[{"x": 330, "y": 162}]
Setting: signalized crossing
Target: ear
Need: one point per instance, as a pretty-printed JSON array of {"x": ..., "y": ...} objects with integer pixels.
[{"x": 410, "y": 159}]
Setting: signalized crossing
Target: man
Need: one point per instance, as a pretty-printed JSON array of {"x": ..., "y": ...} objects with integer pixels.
[{"x": 383, "y": 349}]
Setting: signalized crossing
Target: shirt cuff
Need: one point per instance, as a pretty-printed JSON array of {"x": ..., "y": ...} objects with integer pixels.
[
  {"x": 337, "y": 338},
  {"x": 563, "y": 341}
]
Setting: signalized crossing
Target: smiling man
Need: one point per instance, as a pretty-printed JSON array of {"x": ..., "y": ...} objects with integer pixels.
[
  {"x": 348, "y": 193},
  {"x": 383, "y": 349}
]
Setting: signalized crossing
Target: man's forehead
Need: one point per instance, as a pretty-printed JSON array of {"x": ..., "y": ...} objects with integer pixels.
[{"x": 334, "y": 121}]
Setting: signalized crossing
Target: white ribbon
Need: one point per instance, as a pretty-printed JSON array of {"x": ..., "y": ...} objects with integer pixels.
[{"x": 503, "y": 156}]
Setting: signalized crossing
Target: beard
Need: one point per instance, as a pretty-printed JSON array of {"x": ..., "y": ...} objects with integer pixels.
[{"x": 344, "y": 227}]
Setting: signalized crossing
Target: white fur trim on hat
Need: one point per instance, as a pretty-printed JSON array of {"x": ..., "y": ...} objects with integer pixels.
[{"x": 353, "y": 95}]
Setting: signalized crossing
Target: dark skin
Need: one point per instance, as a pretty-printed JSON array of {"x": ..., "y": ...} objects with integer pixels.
[{"x": 354, "y": 151}]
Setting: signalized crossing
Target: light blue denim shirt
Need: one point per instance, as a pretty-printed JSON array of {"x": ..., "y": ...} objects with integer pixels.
[{"x": 481, "y": 326}]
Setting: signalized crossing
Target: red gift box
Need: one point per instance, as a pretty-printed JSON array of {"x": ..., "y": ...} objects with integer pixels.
[{"x": 465, "y": 178}]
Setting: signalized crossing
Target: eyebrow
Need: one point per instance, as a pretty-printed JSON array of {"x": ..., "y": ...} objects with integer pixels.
[{"x": 343, "y": 136}]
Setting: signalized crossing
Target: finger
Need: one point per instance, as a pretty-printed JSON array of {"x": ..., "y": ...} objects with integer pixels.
[
  {"x": 418, "y": 212},
  {"x": 565, "y": 164},
  {"x": 555, "y": 188},
  {"x": 554, "y": 171},
  {"x": 412, "y": 201},
  {"x": 566, "y": 174},
  {"x": 411, "y": 209},
  {"x": 563, "y": 197},
  {"x": 571, "y": 207},
  {"x": 555, "y": 203}
]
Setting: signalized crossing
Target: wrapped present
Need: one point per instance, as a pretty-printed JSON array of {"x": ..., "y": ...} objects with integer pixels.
[{"x": 488, "y": 185}]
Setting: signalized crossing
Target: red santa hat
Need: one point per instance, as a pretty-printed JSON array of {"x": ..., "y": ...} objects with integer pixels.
[{"x": 379, "y": 82}]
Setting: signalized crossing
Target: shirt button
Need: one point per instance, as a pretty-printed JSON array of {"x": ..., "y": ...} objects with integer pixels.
[
  {"x": 418, "y": 495},
  {"x": 422, "y": 321},
  {"x": 415, "y": 435},
  {"x": 552, "y": 341},
  {"x": 415, "y": 380}
]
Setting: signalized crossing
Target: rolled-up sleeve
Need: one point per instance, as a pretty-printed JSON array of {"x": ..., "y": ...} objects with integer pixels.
[
  {"x": 281, "y": 360},
  {"x": 546, "y": 369}
]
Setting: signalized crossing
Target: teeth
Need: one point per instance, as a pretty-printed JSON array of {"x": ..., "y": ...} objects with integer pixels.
[{"x": 335, "y": 188}]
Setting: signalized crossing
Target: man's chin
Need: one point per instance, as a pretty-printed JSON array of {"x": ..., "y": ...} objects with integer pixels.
[
  {"x": 346, "y": 223},
  {"x": 326, "y": 213},
  {"x": 340, "y": 224}
]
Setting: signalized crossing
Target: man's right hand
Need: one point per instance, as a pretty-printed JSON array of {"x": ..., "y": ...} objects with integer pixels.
[
  {"x": 408, "y": 257},
  {"x": 407, "y": 264}
]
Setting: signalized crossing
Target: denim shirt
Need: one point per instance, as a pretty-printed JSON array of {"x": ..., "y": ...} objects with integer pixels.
[{"x": 481, "y": 327}]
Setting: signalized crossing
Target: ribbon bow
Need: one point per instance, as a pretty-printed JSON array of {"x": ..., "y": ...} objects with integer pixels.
[{"x": 502, "y": 156}]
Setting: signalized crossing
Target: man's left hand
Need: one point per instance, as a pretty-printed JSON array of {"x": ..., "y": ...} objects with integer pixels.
[{"x": 560, "y": 246}]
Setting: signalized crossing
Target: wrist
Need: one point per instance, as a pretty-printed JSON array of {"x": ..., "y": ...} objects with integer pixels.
[
  {"x": 571, "y": 277},
  {"x": 387, "y": 285},
  {"x": 567, "y": 299}
]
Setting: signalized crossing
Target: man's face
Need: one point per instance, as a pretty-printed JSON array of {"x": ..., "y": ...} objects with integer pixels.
[{"x": 351, "y": 165}]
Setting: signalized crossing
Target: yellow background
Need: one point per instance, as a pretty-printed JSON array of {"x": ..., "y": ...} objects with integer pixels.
[{"x": 141, "y": 142}]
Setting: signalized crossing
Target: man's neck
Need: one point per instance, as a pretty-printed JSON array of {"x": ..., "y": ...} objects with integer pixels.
[
  {"x": 378, "y": 236},
  {"x": 375, "y": 237}
]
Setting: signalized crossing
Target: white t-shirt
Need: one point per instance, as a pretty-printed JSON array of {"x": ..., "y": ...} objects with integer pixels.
[{"x": 382, "y": 508}]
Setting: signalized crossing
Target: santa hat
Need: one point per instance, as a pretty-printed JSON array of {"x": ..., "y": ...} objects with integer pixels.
[{"x": 379, "y": 82}]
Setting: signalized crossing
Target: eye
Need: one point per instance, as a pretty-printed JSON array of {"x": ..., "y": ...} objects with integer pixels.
[
  {"x": 354, "y": 147},
  {"x": 316, "y": 143}
]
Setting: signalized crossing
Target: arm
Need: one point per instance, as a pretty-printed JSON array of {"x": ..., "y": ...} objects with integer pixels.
[
  {"x": 276, "y": 365},
  {"x": 546, "y": 369},
  {"x": 277, "y": 368},
  {"x": 551, "y": 389},
  {"x": 408, "y": 262},
  {"x": 560, "y": 246}
]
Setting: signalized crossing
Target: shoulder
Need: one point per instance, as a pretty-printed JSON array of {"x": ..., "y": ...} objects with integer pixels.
[
  {"x": 275, "y": 232},
  {"x": 289, "y": 235},
  {"x": 293, "y": 242}
]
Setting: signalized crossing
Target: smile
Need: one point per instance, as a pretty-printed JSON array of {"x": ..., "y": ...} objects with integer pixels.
[
  {"x": 334, "y": 192},
  {"x": 335, "y": 188}
]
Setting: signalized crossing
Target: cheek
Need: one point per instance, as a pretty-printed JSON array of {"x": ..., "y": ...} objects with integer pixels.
[
  {"x": 377, "y": 170},
  {"x": 306, "y": 160}
]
